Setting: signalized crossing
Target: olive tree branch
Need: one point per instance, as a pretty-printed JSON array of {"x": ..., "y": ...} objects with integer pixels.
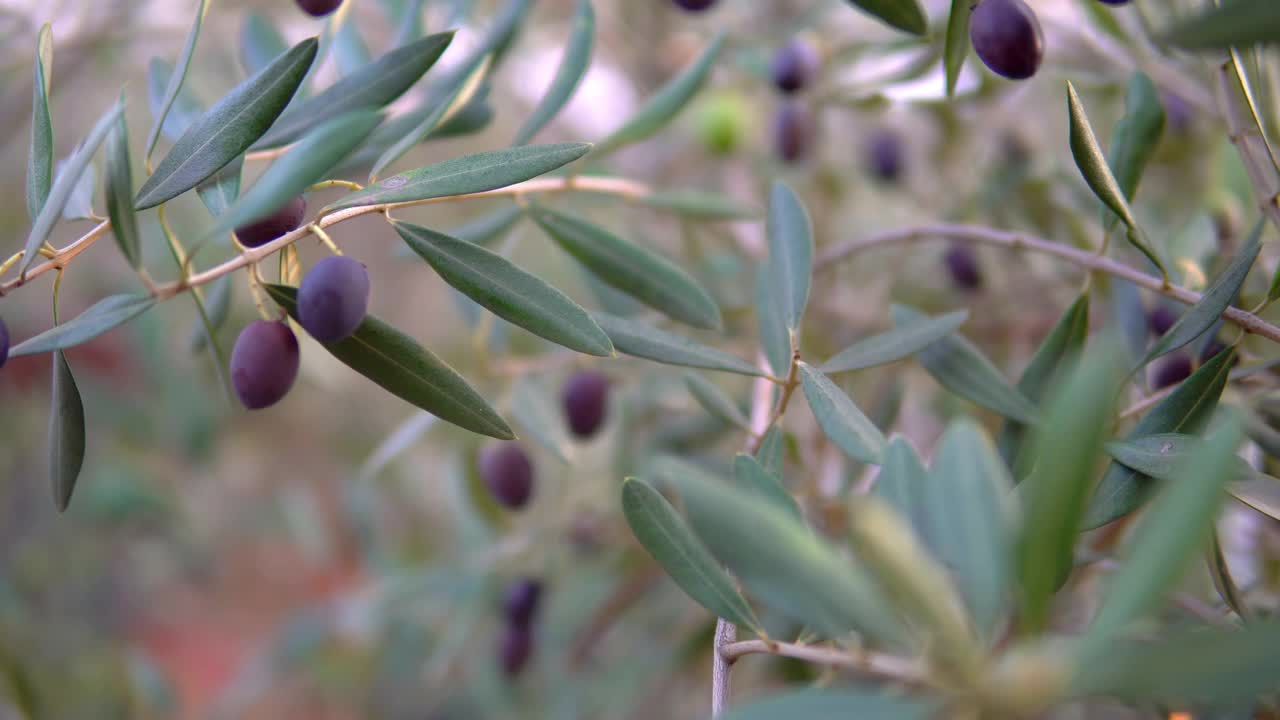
[
  {"x": 1232, "y": 83},
  {"x": 1087, "y": 260},
  {"x": 866, "y": 662}
]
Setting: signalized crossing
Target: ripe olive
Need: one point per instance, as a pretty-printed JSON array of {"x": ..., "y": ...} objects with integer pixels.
[
  {"x": 319, "y": 8},
  {"x": 794, "y": 66},
  {"x": 585, "y": 398},
  {"x": 962, "y": 266},
  {"x": 1162, "y": 318},
  {"x": 695, "y": 5},
  {"x": 520, "y": 603},
  {"x": 1008, "y": 38},
  {"x": 793, "y": 130},
  {"x": 507, "y": 471},
  {"x": 1171, "y": 370},
  {"x": 282, "y": 221},
  {"x": 884, "y": 155},
  {"x": 264, "y": 363},
  {"x": 515, "y": 649},
  {"x": 333, "y": 298}
]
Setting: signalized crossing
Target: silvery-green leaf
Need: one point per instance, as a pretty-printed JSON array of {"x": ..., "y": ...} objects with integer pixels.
[
  {"x": 40, "y": 160},
  {"x": 903, "y": 341},
  {"x": 697, "y": 205},
  {"x": 124, "y": 221},
  {"x": 538, "y": 413},
  {"x": 905, "y": 15},
  {"x": 260, "y": 43},
  {"x": 79, "y": 205},
  {"x": 184, "y": 110},
  {"x": 102, "y": 316},
  {"x": 840, "y": 419},
  {"x": 177, "y": 78},
  {"x": 957, "y": 42},
  {"x": 1137, "y": 134},
  {"x": 775, "y": 340},
  {"x": 715, "y": 401},
  {"x": 638, "y": 338},
  {"x": 66, "y": 432},
  {"x": 751, "y": 475},
  {"x": 790, "y": 253},
  {"x": 573, "y": 65}
]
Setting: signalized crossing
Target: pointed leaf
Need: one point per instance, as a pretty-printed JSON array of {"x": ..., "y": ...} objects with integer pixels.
[
  {"x": 715, "y": 401},
  {"x": 40, "y": 161},
  {"x": 1137, "y": 134},
  {"x": 790, "y": 253},
  {"x": 407, "y": 370},
  {"x": 901, "y": 342},
  {"x": 1236, "y": 24},
  {"x": 102, "y": 316},
  {"x": 177, "y": 77},
  {"x": 769, "y": 452},
  {"x": 185, "y": 109},
  {"x": 534, "y": 408},
  {"x": 66, "y": 432},
  {"x": 228, "y": 128},
  {"x": 349, "y": 49},
  {"x": 632, "y": 268},
  {"x": 465, "y": 175},
  {"x": 635, "y": 337},
  {"x": 667, "y": 538},
  {"x": 840, "y": 419},
  {"x": 260, "y": 43},
  {"x": 373, "y": 86},
  {"x": 124, "y": 221},
  {"x": 905, "y": 15},
  {"x": 752, "y": 476},
  {"x": 573, "y": 65},
  {"x": 220, "y": 192},
  {"x": 831, "y": 703},
  {"x": 507, "y": 291},
  {"x": 696, "y": 205},
  {"x": 902, "y": 483},
  {"x": 79, "y": 205},
  {"x": 957, "y": 42},
  {"x": 774, "y": 338}
]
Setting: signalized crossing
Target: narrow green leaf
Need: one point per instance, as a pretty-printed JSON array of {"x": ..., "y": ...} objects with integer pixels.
[
  {"x": 124, "y": 221},
  {"x": 1177, "y": 523},
  {"x": 970, "y": 527},
  {"x": 66, "y": 432},
  {"x": 832, "y": 703},
  {"x": 484, "y": 230},
  {"x": 65, "y": 186},
  {"x": 228, "y": 128},
  {"x": 666, "y": 103},
  {"x": 1137, "y": 134},
  {"x": 507, "y": 291},
  {"x": 638, "y": 338},
  {"x": 961, "y": 368},
  {"x": 185, "y": 109},
  {"x": 217, "y": 308},
  {"x": 774, "y": 338},
  {"x": 632, "y": 268},
  {"x": 790, "y": 253},
  {"x": 1093, "y": 166},
  {"x": 751, "y": 475},
  {"x": 902, "y": 483},
  {"x": 177, "y": 77},
  {"x": 903, "y": 341},
  {"x": 1205, "y": 314},
  {"x": 715, "y": 401},
  {"x": 373, "y": 86},
  {"x": 957, "y": 42},
  {"x": 1054, "y": 497},
  {"x": 349, "y": 49},
  {"x": 905, "y": 15},
  {"x": 79, "y": 205},
  {"x": 40, "y": 161},
  {"x": 780, "y": 560},
  {"x": 102, "y": 316},
  {"x": 260, "y": 43},
  {"x": 840, "y": 419},
  {"x": 220, "y": 192},
  {"x": 573, "y": 65},
  {"x": 539, "y": 414},
  {"x": 409, "y": 24},
  {"x": 1186, "y": 410},
  {"x": 1235, "y": 24},
  {"x": 696, "y": 205},
  {"x": 407, "y": 370},
  {"x": 667, "y": 538},
  {"x": 465, "y": 175},
  {"x": 769, "y": 452},
  {"x": 300, "y": 167}
]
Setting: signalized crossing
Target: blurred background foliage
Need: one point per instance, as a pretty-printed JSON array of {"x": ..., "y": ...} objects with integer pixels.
[{"x": 222, "y": 564}]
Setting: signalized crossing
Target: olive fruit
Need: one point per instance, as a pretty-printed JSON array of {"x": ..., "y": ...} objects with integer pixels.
[
  {"x": 884, "y": 155},
  {"x": 333, "y": 298},
  {"x": 1178, "y": 113},
  {"x": 794, "y": 66},
  {"x": 282, "y": 221},
  {"x": 585, "y": 398},
  {"x": 1007, "y": 36},
  {"x": 515, "y": 649},
  {"x": 1162, "y": 318},
  {"x": 1171, "y": 370},
  {"x": 319, "y": 8},
  {"x": 507, "y": 471},
  {"x": 1114, "y": 2},
  {"x": 264, "y": 363},
  {"x": 962, "y": 266},
  {"x": 720, "y": 123},
  {"x": 695, "y": 5},
  {"x": 520, "y": 603},
  {"x": 4, "y": 343},
  {"x": 792, "y": 131}
]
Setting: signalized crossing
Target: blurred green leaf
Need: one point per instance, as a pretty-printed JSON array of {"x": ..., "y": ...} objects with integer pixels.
[
  {"x": 65, "y": 186},
  {"x": 1093, "y": 166},
  {"x": 124, "y": 221},
  {"x": 407, "y": 370},
  {"x": 1137, "y": 134},
  {"x": 905, "y": 15},
  {"x": 638, "y": 338},
  {"x": 903, "y": 341},
  {"x": 840, "y": 419},
  {"x": 465, "y": 175},
  {"x": 1217, "y": 298},
  {"x": 217, "y": 308},
  {"x": 960, "y": 367},
  {"x": 409, "y": 24},
  {"x": 260, "y": 43},
  {"x": 902, "y": 482},
  {"x": 185, "y": 109},
  {"x": 507, "y": 291},
  {"x": 832, "y": 703},
  {"x": 670, "y": 99},
  {"x": 715, "y": 401},
  {"x": 300, "y": 167},
  {"x": 750, "y": 475},
  {"x": 349, "y": 49},
  {"x": 66, "y": 432},
  {"x": 774, "y": 338},
  {"x": 1238, "y": 23},
  {"x": 102, "y": 316},
  {"x": 40, "y": 161},
  {"x": 790, "y": 253},
  {"x": 178, "y": 77},
  {"x": 373, "y": 86},
  {"x": 79, "y": 205},
  {"x": 957, "y": 42},
  {"x": 970, "y": 524},
  {"x": 1186, "y": 410},
  {"x": 632, "y": 268},
  {"x": 534, "y": 409},
  {"x": 228, "y": 128},
  {"x": 573, "y": 65},
  {"x": 697, "y": 205},
  {"x": 769, "y": 452},
  {"x": 667, "y": 538},
  {"x": 1156, "y": 555},
  {"x": 221, "y": 190}
]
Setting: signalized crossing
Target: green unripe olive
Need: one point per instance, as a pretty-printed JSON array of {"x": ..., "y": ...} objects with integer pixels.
[{"x": 722, "y": 123}]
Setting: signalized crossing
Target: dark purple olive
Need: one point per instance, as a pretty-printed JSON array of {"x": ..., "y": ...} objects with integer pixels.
[
  {"x": 520, "y": 603},
  {"x": 319, "y": 8},
  {"x": 694, "y": 5},
  {"x": 585, "y": 399},
  {"x": 1007, "y": 36},
  {"x": 794, "y": 66},
  {"x": 792, "y": 131},
  {"x": 508, "y": 473},
  {"x": 4, "y": 343},
  {"x": 1162, "y": 318},
  {"x": 962, "y": 266},
  {"x": 515, "y": 649},
  {"x": 884, "y": 155},
  {"x": 285, "y": 220},
  {"x": 264, "y": 363},
  {"x": 1178, "y": 113},
  {"x": 333, "y": 298},
  {"x": 1171, "y": 370},
  {"x": 1114, "y": 2}
]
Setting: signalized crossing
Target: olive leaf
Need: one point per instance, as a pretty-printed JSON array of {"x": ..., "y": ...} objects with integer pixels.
[
  {"x": 573, "y": 66},
  {"x": 902, "y": 341},
  {"x": 40, "y": 161},
  {"x": 1235, "y": 24},
  {"x": 715, "y": 401},
  {"x": 177, "y": 78},
  {"x": 905, "y": 15},
  {"x": 1137, "y": 134},
  {"x": 66, "y": 432},
  {"x": 260, "y": 43},
  {"x": 956, "y": 46},
  {"x": 124, "y": 220},
  {"x": 638, "y": 338},
  {"x": 102, "y": 316},
  {"x": 697, "y": 205},
  {"x": 840, "y": 419},
  {"x": 790, "y": 253}
]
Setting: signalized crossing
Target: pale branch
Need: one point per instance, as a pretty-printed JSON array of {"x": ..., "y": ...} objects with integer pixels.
[
  {"x": 865, "y": 662},
  {"x": 60, "y": 259},
  {"x": 1087, "y": 260},
  {"x": 1261, "y": 170}
]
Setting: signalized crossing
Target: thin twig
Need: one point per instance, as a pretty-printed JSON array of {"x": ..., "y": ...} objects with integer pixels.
[{"x": 874, "y": 664}]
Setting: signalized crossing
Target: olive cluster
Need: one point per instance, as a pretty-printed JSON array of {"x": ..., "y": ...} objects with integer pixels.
[
  {"x": 332, "y": 302},
  {"x": 794, "y": 67},
  {"x": 1006, "y": 35},
  {"x": 520, "y": 605}
]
